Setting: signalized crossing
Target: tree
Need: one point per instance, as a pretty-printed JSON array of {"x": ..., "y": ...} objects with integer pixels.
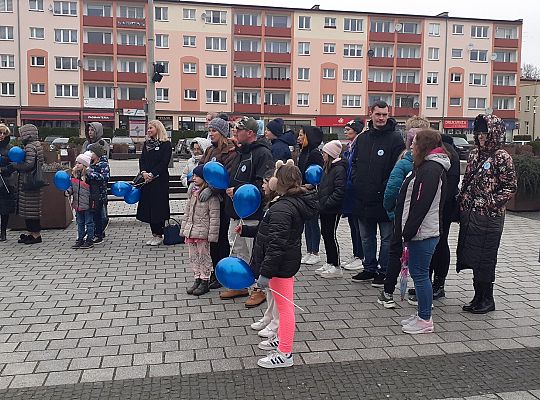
[{"x": 529, "y": 71}]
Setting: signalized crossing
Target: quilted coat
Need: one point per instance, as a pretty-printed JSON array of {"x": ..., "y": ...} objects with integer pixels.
[{"x": 201, "y": 219}]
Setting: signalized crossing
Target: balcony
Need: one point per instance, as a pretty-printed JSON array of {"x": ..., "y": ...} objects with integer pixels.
[
  {"x": 95, "y": 48},
  {"x": 278, "y": 32},
  {"x": 135, "y": 77},
  {"x": 380, "y": 86},
  {"x": 137, "y": 104},
  {"x": 102, "y": 22},
  {"x": 506, "y": 43},
  {"x": 248, "y": 30},
  {"x": 277, "y": 83},
  {"x": 247, "y": 108},
  {"x": 505, "y": 114},
  {"x": 100, "y": 76},
  {"x": 381, "y": 36},
  {"x": 505, "y": 66},
  {"x": 408, "y": 87},
  {"x": 504, "y": 89},
  {"x": 277, "y": 57},
  {"x": 277, "y": 109},
  {"x": 126, "y": 50},
  {"x": 247, "y": 56},
  {"x": 409, "y": 38},
  {"x": 381, "y": 61},
  {"x": 404, "y": 111},
  {"x": 131, "y": 23},
  {"x": 247, "y": 82},
  {"x": 409, "y": 62}
]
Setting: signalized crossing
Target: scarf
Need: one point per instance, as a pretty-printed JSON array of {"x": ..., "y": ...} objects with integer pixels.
[{"x": 151, "y": 144}]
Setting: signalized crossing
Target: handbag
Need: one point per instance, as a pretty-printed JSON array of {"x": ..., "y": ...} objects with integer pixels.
[
  {"x": 34, "y": 179},
  {"x": 171, "y": 233}
]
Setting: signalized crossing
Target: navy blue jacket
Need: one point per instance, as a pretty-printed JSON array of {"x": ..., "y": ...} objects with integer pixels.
[{"x": 280, "y": 146}]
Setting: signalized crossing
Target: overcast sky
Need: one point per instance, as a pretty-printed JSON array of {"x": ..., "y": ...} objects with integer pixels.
[{"x": 528, "y": 10}]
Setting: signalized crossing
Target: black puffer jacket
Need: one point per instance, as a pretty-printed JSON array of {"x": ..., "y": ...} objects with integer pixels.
[
  {"x": 452, "y": 179},
  {"x": 310, "y": 154},
  {"x": 332, "y": 188},
  {"x": 278, "y": 245},
  {"x": 7, "y": 187}
]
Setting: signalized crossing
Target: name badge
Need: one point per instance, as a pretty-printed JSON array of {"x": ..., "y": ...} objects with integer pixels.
[{"x": 487, "y": 165}]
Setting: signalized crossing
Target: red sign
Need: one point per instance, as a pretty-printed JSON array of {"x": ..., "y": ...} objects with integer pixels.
[
  {"x": 456, "y": 124},
  {"x": 333, "y": 121}
]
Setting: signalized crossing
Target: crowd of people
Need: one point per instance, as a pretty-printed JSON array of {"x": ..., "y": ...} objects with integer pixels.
[{"x": 399, "y": 192}]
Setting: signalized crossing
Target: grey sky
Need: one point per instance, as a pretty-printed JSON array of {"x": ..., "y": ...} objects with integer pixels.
[{"x": 528, "y": 10}]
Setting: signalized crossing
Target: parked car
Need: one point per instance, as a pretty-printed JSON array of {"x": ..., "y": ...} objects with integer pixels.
[
  {"x": 49, "y": 139},
  {"x": 464, "y": 147},
  {"x": 59, "y": 143},
  {"x": 118, "y": 140},
  {"x": 182, "y": 148}
]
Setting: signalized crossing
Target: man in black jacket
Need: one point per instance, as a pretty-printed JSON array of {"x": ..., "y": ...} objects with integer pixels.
[{"x": 378, "y": 149}]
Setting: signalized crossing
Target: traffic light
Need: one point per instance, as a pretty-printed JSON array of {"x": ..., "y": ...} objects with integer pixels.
[{"x": 159, "y": 69}]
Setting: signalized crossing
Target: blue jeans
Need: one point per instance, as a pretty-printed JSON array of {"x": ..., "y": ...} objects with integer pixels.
[
  {"x": 85, "y": 224},
  {"x": 420, "y": 253},
  {"x": 354, "y": 224},
  {"x": 368, "y": 232},
  {"x": 313, "y": 235},
  {"x": 99, "y": 220}
]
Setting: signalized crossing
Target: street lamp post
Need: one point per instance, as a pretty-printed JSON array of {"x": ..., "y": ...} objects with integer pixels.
[{"x": 534, "y": 118}]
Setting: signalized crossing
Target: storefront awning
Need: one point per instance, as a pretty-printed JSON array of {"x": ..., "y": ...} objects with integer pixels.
[
  {"x": 332, "y": 121},
  {"x": 50, "y": 115}
]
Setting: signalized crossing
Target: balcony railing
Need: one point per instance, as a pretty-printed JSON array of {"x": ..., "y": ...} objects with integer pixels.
[
  {"x": 130, "y": 23},
  {"x": 277, "y": 32},
  {"x": 505, "y": 114},
  {"x": 380, "y": 86},
  {"x": 506, "y": 43},
  {"x": 381, "y": 36},
  {"x": 247, "y": 56},
  {"x": 405, "y": 111},
  {"x": 247, "y": 108},
  {"x": 101, "y": 76},
  {"x": 126, "y": 50},
  {"x": 277, "y": 109},
  {"x": 499, "y": 89},
  {"x": 277, "y": 83},
  {"x": 248, "y": 30},
  {"x": 277, "y": 57},
  {"x": 409, "y": 38},
  {"x": 136, "y": 77},
  {"x": 97, "y": 48},
  {"x": 381, "y": 61},
  {"x": 138, "y": 104},
  {"x": 505, "y": 66},
  {"x": 409, "y": 62},
  {"x": 408, "y": 87},
  {"x": 102, "y": 22},
  {"x": 247, "y": 82}
]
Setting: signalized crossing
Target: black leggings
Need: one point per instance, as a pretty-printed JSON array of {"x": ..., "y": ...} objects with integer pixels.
[
  {"x": 329, "y": 224},
  {"x": 4, "y": 222},
  {"x": 440, "y": 261},
  {"x": 157, "y": 228},
  {"x": 394, "y": 263},
  {"x": 33, "y": 225}
]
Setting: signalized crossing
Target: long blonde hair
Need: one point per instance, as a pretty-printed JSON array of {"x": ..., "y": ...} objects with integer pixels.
[
  {"x": 162, "y": 133},
  {"x": 5, "y": 129}
]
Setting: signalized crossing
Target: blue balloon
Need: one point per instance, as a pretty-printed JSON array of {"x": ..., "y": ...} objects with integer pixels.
[
  {"x": 216, "y": 175},
  {"x": 246, "y": 200},
  {"x": 133, "y": 197},
  {"x": 121, "y": 188},
  {"x": 16, "y": 155},
  {"x": 189, "y": 176},
  {"x": 234, "y": 273},
  {"x": 314, "y": 174},
  {"x": 62, "y": 180}
]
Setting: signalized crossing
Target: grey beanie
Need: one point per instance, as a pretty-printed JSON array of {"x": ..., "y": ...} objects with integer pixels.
[{"x": 220, "y": 125}]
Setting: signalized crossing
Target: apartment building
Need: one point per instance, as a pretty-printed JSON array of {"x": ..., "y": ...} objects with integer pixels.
[
  {"x": 304, "y": 65},
  {"x": 530, "y": 106}
]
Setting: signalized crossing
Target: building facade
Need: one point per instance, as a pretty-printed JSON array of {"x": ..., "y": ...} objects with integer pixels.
[
  {"x": 90, "y": 62},
  {"x": 529, "y": 105}
]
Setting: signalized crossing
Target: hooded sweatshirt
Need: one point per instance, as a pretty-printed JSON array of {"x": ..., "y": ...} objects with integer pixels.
[
  {"x": 280, "y": 146},
  {"x": 99, "y": 134},
  {"x": 194, "y": 160},
  {"x": 310, "y": 153}
]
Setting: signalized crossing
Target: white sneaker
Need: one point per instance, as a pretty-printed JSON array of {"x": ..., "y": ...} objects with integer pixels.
[
  {"x": 156, "y": 241},
  {"x": 407, "y": 321},
  {"x": 332, "y": 272},
  {"x": 269, "y": 344},
  {"x": 418, "y": 326},
  {"x": 276, "y": 359},
  {"x": 313, "y": 259},
  {"x": 325, "y": 267},
  {"x": 149, "y": 242},
  {"x": 267, "y": 333},
  {"x": 354, "y": 265},
  {"x": 260, "y": 324},
  {"x": 305, "y": 258}
]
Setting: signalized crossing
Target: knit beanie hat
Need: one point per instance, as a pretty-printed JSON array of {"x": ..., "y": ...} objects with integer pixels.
[
  {"x": 333, "y": 148},
  {"x": 97, "y": 148},
  {"x": 84, "y": 159},
  {"x": 276, "y": 126},
  {"x": 410, "y": 136},
  {"x": 198, "y": 170},
  {"x": 356, "y": 125},
  {"x": 220, "y": 125}
]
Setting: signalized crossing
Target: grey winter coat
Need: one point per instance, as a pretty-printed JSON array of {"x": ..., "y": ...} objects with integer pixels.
[
  {"x": 80, "y": 192},
  {"x": 201, "y": 219}
]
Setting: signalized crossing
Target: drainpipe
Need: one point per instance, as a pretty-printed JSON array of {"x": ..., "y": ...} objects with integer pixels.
[
  {"x": 19, "y": 120},
  {"x": 151, "y": 95},
  {"x": 445, "y": 69}
]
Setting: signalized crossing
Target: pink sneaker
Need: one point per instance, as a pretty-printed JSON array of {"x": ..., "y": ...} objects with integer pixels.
[{"x": 419, "y": 325}]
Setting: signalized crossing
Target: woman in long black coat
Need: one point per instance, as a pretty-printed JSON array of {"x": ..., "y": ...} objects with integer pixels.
[{"x": 153, "y": 206}]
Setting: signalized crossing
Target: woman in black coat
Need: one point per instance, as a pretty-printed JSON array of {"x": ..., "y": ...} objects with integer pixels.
[
  {"x": 153, "y": 206},
  {"x": 7, "y": 190}
]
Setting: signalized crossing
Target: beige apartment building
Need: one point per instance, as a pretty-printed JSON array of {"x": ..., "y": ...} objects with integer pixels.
[
  {"x": 65, "y": 63},
  {"x": 530, "y": 92}
]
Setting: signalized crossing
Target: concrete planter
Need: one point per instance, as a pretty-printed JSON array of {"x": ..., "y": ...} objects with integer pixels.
[{"x": 521, "y": 202}]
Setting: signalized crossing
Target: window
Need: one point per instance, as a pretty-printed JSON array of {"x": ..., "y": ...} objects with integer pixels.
[
  {"x": 505, "y": 56},
  {"x": 304, "y": 22},
  {"x": 190, "y": 94},
  {"x": 250, "y": 45},
  {"x": 276, "y": 98},
  {"x": 99, "y": 92},
  {"x": 37, "y": 61},
  {"x": 502, "y": 32},
  {"x": 7, "y": 61},
  {"x": 528, "y": 103},
  {"x": 352, "y": 75},
  {"x": 37, "y": 88},
  {"x": 65, "y": 8},
  {"x": 132, "y": 39},
  {"x": 477, "y": 103},
  {"x": 351, "y": 100},
  {"x": 352, "y": 25},
  {"x": 455, "y": 101},
  {"x": 131, "y": 12},
  {"x": 162, "y": 41},
  {"x": 65, "y": 35},
  {"x": 404, "y": 76},
  {"x": 504, "y": 80},
  {"x": 405, "y": 101},
  {"x": 67, "y": 91},
  {"x": 328, "y": 98},
  {"x": 247, "y": 71},
  {"x": 216, "y": 44},
  {"x": 329, "y": 48},
  {"x": 456, "y": 77},
  {"x": 189, "y": 41},
  {"x": 92, "y": 64},
  {"x": 373, "y": 98},
  {"x": 35, "y": 5},
  {"x": 277, "y": 21},
  {"x": 432, "y": 78},
  {"x": 503, "y": 103},
  {"x": 190, "y": 68},
  {"x": 216, "y": 96},
  {"x": 37, "y": 33},
  {"x": 99, "y": 37},
  {"x": 6, "y": 6},
  {"x": 431, "y": 102},
  {"x": 162, "y": 94},
  {"x": 433, "y": 53},
  {"x": 248, "y": 98},
  {"x": 478, "y": 31},
  {"x": 329, "y": 22},
  {"x": 381, "y": 26},
  {"x": 329, "y": 73},
  {"x": 216, "y": 70},
  {"x": 165, "y": 66},
  {"x": 352, "y": 50},
  {"x": 247, "y": 19},
  {"x": 478, "y": 56},
  {"x": 276, "y": 72},
  {"x": 457, "y": 29},
  {"x": 303, "y": 48},
  {"x": 7, "y": 89},
  {"x": 380, "y": 75},
  {"x": 303, "y": 100},
  {"x": 303, "y": 74},
  {"x": 189, "y": 13},
  {"x": 6, "y": 33},
  {"x": 216, "y": 17},
  {"x": 277, "y": 46},
  {"x": 411, "y": 27},
  {"x": 132, "y": 93},
  {"x": 132, "y": 65},
  {"x": 457, "y": 53},
  {"x": 383, "y": 51},
  {"x": 434, "y": 30},
  {"x": 477, "y": 79},
  {"x": 67, "y": 63},
  {"x": 527, "y": 132},
  {"x": 99, "y": 10},
  {"x": 161, "y": 13},
  {"x": 408, "y": 52}
]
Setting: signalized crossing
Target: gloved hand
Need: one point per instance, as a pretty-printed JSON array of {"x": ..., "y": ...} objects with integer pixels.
[
  {"x": 263, "y": 282},
  {"x": 205, "y": 194}
]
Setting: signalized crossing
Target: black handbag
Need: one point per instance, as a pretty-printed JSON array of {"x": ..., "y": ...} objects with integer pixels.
[
  {"x": 171, "y": 233},
  {"x": 34, "y": 179}
]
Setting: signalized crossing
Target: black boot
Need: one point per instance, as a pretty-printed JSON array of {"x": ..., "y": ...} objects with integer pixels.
[
  {"x": 438, "y": 288},
  {"x": 214, "y": 283},
  {"x": 3, "y": 236},
  {"x": 476, "y": 299},
  {"x": 195, "y": 286},
  {"x": 486, "y": 303},
  {"x": 202, "y": 289}
]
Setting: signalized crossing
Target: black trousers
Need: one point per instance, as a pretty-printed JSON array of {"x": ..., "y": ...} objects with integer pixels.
[
  {"x": 157, "y": 228},
  {"x": 394, "y": 263},
  {"x": 329, "y": 225},
  {"x": 33, "y": 225},
  {"x": 4, "y": 222},
  {"x": 222, "y": 248},
  {"x": 440, "y": 262}
]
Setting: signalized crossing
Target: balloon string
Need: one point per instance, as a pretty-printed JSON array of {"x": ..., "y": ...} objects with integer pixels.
[{"x": 279, "y": 294}]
